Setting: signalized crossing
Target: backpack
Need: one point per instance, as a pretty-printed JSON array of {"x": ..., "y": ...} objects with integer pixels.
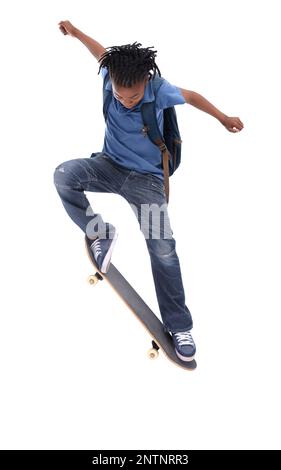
[{"x": 169, "y": 143}]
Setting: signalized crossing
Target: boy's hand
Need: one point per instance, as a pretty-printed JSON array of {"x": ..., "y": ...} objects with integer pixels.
[
  {"x": 67, "y": 28},
  {"x": 232, "y": 124}
]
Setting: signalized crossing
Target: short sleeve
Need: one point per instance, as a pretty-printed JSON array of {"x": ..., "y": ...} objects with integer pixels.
[
  {"x": 103, "y": 72},
  {"x": 168, "y": 95}
]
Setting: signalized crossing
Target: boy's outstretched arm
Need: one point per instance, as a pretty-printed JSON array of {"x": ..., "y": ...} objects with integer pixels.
[
  {"x": 232, "y": 124},
  {"x": 94, "y": 47}
]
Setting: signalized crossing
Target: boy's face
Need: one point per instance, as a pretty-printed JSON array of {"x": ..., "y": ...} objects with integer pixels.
[{"x": 129, "y": 97}]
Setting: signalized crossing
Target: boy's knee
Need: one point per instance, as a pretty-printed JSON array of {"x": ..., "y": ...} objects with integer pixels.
[
  {"x": 65, "y": 176},
  {"x": 162, "y": 248}
]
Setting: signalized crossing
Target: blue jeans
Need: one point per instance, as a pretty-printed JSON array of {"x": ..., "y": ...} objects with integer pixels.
[{"x": 143, "y": 192}]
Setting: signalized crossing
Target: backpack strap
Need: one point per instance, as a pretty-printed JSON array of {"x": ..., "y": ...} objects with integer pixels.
[{"x": 151, "y": 128}]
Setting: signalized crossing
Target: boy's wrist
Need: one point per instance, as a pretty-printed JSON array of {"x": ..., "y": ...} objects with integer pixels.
[
  {"x": 222, "y": 117},
  {"x": 77, "y": 33}
]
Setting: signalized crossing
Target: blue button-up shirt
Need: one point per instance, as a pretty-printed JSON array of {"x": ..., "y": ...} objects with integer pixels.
[{"x": 124, "y": 140}]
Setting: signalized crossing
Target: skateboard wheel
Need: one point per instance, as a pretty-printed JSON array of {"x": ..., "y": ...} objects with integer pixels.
[
  {"x": 152, "y": 353},
  {"x": 93, "y": 280}
]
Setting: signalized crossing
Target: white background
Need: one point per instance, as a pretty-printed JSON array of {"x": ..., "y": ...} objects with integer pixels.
[{"x": 74, "y": 369}]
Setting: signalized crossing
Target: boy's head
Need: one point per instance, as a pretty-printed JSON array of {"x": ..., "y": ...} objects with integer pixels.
[{"x": 129, "y": 69}]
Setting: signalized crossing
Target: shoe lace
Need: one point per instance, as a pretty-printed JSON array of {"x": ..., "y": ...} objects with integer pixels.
[
  {"x": 184, "y": 338},
  {"x": 97, "y": 248}
]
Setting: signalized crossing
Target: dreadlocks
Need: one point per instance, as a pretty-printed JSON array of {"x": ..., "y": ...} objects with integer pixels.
[{"x": 129, "y": 64}]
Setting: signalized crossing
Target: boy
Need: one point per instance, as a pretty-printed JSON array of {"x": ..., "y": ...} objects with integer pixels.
[{"x": 130, "y": 165}]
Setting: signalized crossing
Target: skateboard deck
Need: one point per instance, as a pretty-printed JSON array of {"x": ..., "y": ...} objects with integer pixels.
[{"x": 160, "y": 339}]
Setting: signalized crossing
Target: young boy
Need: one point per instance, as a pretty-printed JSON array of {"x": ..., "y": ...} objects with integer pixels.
[{"x": 131, "y": 165}]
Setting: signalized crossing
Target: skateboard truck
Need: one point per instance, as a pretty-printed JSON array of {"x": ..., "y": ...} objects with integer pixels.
[
  {"x": 93, "y": 279},
  {"x": 153, "y": 352}
]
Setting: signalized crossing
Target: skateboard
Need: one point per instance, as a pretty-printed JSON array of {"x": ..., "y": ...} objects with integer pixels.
[{"x": 160, "y": 339}]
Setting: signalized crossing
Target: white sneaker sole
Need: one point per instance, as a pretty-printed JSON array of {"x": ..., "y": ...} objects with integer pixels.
[
  {"x": 185, "y": 358},
  {"x": 105, "y": 265}
]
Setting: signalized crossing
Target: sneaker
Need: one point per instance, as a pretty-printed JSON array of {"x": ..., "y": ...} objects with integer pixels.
[
  {"x": 102, "y": 248},
  {"x": 184, "y": 345}
]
